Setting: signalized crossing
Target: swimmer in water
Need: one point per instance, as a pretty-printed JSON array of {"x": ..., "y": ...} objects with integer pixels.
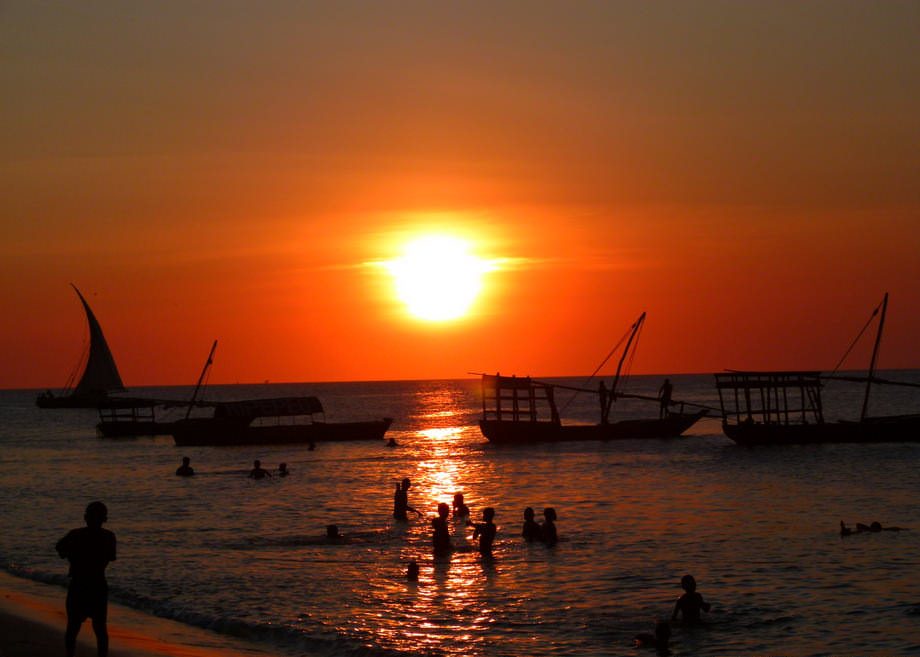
[
  {"x": 461, "y": 510},
  {"x": 258, "y": 472},
  {"x": 690, "y": 603},
  {"x": 412, "y": 571},
  {"x": 485, "y": 532},
  {"x": 658, "y": 641},
  {"x": 531, "y": 530},
  {"x": 548, "y": 529},
  {"x": 440, "y": 538},
  {"x": 283, "y": 471},
  {"x": 401, "y": 501},
  {"x": 185, "y": 470}
]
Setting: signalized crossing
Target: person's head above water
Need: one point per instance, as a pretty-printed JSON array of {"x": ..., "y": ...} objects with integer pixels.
[
  {"x": 186, "y": 460},
  {"x": 443, "y": 509},
  {"x": 688, "y": 584},
  {"x": 96, "y": 513},
  {"x": 549, "y": 513},
  {"x": 488, "y": 513},
  {"x": 458, "y": 499},
  {"x": 406, "y": 483},
  {"x": 257, "y": 463},
  {"x": 875, "y": 526},
  {"x": 332, "y": 531},
  {"x": 528, "y": 513}
]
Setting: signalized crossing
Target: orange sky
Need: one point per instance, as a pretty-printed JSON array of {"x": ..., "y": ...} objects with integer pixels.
[{"x": 748, "y": 173}]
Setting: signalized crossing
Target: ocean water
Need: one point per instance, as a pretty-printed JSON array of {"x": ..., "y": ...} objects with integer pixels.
[{"x": 758, "y": 528}]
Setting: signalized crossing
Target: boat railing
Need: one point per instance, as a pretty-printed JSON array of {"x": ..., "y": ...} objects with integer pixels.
[
  {"x": 517, "y": 399},
  {"x": 770, "y": 397}
]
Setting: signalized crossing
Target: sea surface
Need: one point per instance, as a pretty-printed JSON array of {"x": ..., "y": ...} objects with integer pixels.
[{"x": 757, "y": 527}]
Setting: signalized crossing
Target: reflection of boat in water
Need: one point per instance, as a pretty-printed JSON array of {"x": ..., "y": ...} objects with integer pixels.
[
  {"x": 100, "y": 374},
  {"x": 781, "y": 408},
  {"x": 521, "y": 410}
]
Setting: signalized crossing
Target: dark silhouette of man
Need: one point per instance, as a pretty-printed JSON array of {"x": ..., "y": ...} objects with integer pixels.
[
  {"x": 401, "y": 501},
  {"x": 258, "y": 472},
  {"x": 664, "y": 398},
  {"x": 185, "y": 470},
  {"x": 89, "y": 550}
]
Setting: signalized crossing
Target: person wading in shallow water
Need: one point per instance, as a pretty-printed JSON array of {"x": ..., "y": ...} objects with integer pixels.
[
  {"x": 89, "y": 550},
  {"x": 401, "y": 501}
]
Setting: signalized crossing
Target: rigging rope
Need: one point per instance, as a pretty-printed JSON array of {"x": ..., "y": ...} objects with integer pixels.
[
  {"x": 597, "y": 369},
  {"x": 856, "y": 339}
]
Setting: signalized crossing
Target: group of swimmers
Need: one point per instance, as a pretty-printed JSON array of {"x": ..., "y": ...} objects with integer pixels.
[
  {"x": 257, "y": 472},
  {"x": 484, "y": 531}
]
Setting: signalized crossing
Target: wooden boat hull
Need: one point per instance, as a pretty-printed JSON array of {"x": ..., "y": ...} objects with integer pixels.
[
  {"x": 505, "y": 432},
  {"x": 896, "y": 429},
  {"x": 133, "y": 429},
  {"x": 69, "y": 401},
  {"x": 222, "y": 432}
]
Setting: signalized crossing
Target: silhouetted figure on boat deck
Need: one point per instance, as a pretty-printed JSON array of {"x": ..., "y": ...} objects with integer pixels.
[
  {"x": 412, "y": 571},
  {"x": 485, "y": 532},
  {"x": 283, "y": 470},
  {"x": 690, "y": 603},
  {"x": 460, "y": 509},
  {"x": 401, "y": 501},
  {"x": 89, "y": 550},
  {"x": 664, "y": 398},
  {"x": 440, "y": 538},
  {"x": 531, "y": 530},
  {"x": 548, "y": 529},
  {"x": 258, "y": 472},
  {"x": 658, "y": 641},
  {"x": 872, "y": 528},
  {"x": 185, "y": 470}
]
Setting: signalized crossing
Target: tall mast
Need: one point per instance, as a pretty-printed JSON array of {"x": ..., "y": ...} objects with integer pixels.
[
  {"x": 874, "y": 361},
  {"x": 204, "y": 371},
  {"x": 616, "y": 378}
]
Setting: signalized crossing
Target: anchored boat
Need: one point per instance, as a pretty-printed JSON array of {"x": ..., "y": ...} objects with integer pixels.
[
  {"x": 521, "y": 410},
  {"x": 783, "y": 408}
]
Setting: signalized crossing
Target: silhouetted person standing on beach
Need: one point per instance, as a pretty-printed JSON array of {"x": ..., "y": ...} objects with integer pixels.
[
  {"x": 89, "y": 550},
  {"x": 185, "y": 470},
  {"x": 401, "y": 501},
  {"x": 258, "y": 472},
  {"x": 664, "y": 398}
]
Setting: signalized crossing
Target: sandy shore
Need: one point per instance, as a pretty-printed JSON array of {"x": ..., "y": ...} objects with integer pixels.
[{"x": 32, "y": 621}]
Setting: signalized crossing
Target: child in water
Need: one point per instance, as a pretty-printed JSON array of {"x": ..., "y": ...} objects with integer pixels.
[
  {"x": 548, "y": 529},
  {"x": 461, "y": 510},
  {"x": 441, "y": 536},
  {"x": 531, "y": 530},
  {"x": 690, "y": 603},
  {"x": 485, "y": 532},
  {"x": 659, "y": 640}
]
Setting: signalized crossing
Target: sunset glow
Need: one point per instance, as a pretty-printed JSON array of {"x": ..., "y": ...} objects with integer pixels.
[{"x": 437, "y": 278}]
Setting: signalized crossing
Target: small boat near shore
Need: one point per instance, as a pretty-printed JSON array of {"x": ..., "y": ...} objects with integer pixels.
[
  {"x": 273, "y": 421},
  {"x": 100, "y": 374},
  {"x": 522, "y": 411},
  {"x": 278, "y": 421},
  {"x": 786, "y": 408}
]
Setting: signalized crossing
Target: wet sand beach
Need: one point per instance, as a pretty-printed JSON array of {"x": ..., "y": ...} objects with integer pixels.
[{"x": 32, "y": 621}]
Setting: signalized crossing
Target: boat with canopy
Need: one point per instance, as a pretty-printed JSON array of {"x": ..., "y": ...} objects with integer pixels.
[
  {"x": 522, "y": 410},
  {"x": 781, "y": 408}
]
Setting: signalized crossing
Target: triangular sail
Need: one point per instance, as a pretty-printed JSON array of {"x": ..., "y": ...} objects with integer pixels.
[{"x": 101, "y": 375}]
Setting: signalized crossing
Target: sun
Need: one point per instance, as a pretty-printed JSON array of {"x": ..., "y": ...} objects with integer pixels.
[{"x": 437, "y": 277}]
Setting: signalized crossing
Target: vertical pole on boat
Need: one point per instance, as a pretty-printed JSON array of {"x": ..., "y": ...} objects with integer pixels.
[
  {"x": 874, "y": 361},
  {"x": 204, "y": 371},
  {"x": 616, "y": 378}
]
